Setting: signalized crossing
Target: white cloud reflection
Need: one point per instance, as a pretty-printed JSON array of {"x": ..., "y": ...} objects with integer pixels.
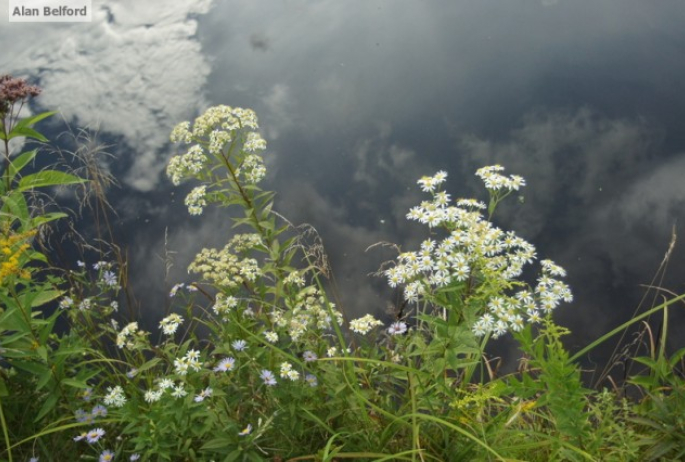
[{"x": 137, "y": 70}]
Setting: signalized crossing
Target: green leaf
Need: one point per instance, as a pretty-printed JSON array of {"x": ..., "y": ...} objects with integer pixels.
[
  {"x": 32, "y": 120},
  {"x": 3, "y": 388},
  {"x": 217, "y": 443},
  {"x": 28, "y": 132},
  {"x": 48, "y": 406},
  {"x": 45, "y": 296},
  {"x": 21, "y": 161},
  {"x": 75, "y": 383},
  {"x": 48, "y": 178}
]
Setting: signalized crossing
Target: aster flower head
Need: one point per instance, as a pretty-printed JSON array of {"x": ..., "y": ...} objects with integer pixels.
[
  {"x": 169, "y": 325},
  {"x": 115, "y": 396},
  {"x": 106, "y": 456},
  {"x": 93, "y": 436},
  {"x": 268, "y": 377},
  {"x": 225, "y": 365},
  {"x": 309, "y": 356},
  {"x": 245, "y": 431},
  {"x": 99, "y": 411},
  {"x": 239, "y": 345},
  {"x": 206, "y": 393},
  {"x": 397, "y": 328},
  {"x": 311, "y": 380}
]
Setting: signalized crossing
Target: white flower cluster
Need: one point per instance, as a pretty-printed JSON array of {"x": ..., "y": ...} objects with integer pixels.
[
  {"x": 223, "y": 117},
  {"x": 287, "y": 372},
  {"x": 224, "y": 304},
  {"x": 191, "y": 361},
  {"x": 496, "y": 181},
  {"x": 309, "y": 310},
  {"x": 186, "y": 166},
  {"x": 507, "y": 312},
  {"x": 115, "y": 397},
  {"x": 254, "y": 142},
  {"x": 196, "y": 201},
  {"x": 216, "y": 133},
  {"x": 223, "y": 267},
  {"x": 474, "y": 249},
  {"x": 364, "y": 324},
  {"x": 125, "y": 338},
  {"x": 252, "y": 169},
  {"x": 169, "y": 325}
]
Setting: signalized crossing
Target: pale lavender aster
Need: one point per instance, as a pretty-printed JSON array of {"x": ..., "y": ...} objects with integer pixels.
[
  {"x": 268, "y": 377},
  {"x": 225, "y": 365},
  {"x": 239, "y": 345},
  {"x": 94, "y": 435}
]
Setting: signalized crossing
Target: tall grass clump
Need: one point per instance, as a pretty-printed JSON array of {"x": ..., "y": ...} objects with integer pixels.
[{"x": 254, "y": 361}]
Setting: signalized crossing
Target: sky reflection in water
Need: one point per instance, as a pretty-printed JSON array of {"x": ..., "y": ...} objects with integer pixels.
[{"x": 358, "y": 99}]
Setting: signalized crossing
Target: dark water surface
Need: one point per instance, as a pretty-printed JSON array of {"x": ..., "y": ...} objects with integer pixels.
[{"x": 357, "y": 99}]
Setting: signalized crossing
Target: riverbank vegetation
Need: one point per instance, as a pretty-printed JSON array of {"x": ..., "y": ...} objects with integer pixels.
[{"x": 255, "y": 361}]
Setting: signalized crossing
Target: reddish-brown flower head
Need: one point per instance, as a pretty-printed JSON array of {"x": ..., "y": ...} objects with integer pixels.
[{"x": 15, "y": 89}]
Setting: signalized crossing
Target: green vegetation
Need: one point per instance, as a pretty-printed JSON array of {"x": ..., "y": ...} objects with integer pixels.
[{"x": 254, "y": 362}]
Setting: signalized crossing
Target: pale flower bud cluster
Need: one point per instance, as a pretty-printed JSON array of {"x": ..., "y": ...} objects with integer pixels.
[
  {"x": 252, "y": 170},
  {"x": 476, "y": 250},
  {"x": 495, "y": 181},
  {"x": 196, "y": 201},
  {"x": 186, "y": 166},
  {"x": 126, "y": 337},
  {"x": 223, "y": 267},
  {"x": 220, "y": 132},
  {"x": 224, "y": 304},
  {"x": 364, "y": 324},
  {"x": 309, "y": 311}
]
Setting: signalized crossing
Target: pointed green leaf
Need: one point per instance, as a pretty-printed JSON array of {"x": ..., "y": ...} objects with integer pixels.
[
  {"x": 32, "y": 120},
  {"x": 48, "y": 178}
]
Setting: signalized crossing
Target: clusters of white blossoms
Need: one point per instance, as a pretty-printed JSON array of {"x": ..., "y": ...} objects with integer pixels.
[
  {"x": 287, "y": 372},
  {"x": 220, "y": 131},
  {"x": 310, "y": 310},
  {"x": 496, "y": 181},
  {"x": 191, "y": 361},
  {"x": 169, "y": 325},
  {"x": 196, "y": 201},
  {"x": 115, "y": 397},
  {"x": 127, "y": 336},
  {"x": 474, "y": 251},
  {"x": 364, "y": 324},
  {"x": 223, "y": 267}
]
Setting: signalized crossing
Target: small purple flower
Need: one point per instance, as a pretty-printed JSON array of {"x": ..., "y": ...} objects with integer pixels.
[
  {"x": 225, "y": 365},
  {"x": 109, "y": 278},
  {"x": 94, "y": 435},
  {"x": 99, "y": 411},
  {"x": 309, "y": 356},
  {"x": 311, "y": 380},
  {"x": 268, "y": 377},
  {"x": 82, "y": 416},
  {"x": 397, "y": 328},
  {"x": 134, "y": 457},
  {"x": 239, "y": 345},
  {"x": 106, "y": 456}
]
